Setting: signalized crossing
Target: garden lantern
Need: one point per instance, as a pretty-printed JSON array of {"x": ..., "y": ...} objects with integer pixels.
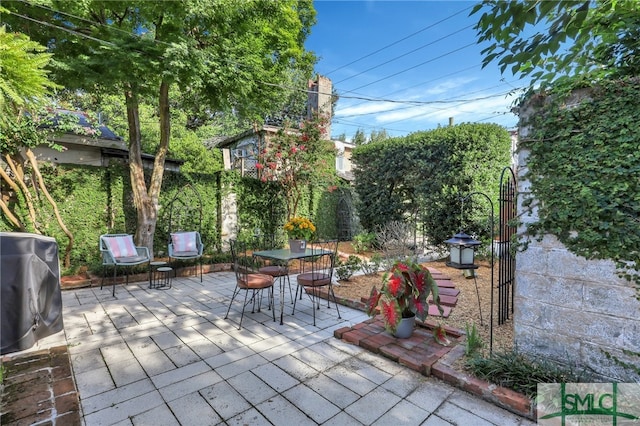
[{"x": 461, "y": 251}]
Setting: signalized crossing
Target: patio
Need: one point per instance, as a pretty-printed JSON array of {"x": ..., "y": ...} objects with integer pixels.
[{"x": 168, "y": 357}]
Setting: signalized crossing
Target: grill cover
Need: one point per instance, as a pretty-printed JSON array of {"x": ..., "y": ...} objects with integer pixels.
[{"x": 30, "y": 302}]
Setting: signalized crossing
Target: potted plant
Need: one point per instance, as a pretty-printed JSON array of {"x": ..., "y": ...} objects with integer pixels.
[
  {"x": 300, "y": 230},
  {"x": 403, "y": 297}
]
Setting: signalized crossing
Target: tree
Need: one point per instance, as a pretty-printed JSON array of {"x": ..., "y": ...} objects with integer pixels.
[
  {"x": 222, "y": 54},
  {"x": 593, "y": 39},
  {"x": 377, "y": 136},
  {"x": 296, "y": 158},
  {"x": 24, "y": 85},
  {"x": 359, "y": 138}
]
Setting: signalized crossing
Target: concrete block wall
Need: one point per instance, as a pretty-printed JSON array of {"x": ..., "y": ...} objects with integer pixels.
[{"x": 570, "y": 309}]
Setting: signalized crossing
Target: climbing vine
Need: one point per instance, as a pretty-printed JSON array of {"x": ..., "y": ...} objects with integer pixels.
[{"x": 584, "y": 170}]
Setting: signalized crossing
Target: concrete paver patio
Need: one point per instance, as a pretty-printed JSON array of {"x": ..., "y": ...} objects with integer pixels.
[{"x": 168, "y": 357}]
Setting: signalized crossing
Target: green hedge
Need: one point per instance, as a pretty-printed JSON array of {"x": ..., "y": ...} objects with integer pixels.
[{"x": 425, "y": 175}]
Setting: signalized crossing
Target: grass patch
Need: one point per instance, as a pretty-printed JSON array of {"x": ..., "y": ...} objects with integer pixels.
[
  {"x": 474, "y": 342},
  {"x": 522, "y": 373}
]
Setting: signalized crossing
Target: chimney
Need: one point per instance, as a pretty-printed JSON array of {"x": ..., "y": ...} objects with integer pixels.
[{"x": 320, "y": 100}]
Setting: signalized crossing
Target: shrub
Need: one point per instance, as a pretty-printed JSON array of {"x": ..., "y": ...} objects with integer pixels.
[
  {"x": 364, "y": 242},
  {"x": 372, "y": 266},
  {"x": 346, "y": 269}
]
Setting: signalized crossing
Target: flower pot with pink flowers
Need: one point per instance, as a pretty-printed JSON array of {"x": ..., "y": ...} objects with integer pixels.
[{"x": 403, "y": 297}]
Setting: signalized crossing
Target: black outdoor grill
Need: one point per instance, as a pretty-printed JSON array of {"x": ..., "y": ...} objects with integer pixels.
[{"x": 30, "y": 301}]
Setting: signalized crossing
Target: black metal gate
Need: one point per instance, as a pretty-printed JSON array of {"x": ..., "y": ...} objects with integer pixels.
[
  {"x": 506, "y": 256},
  {"x": 344, "y": 218}
]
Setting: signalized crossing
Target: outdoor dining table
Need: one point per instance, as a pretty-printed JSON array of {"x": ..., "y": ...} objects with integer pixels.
[{"x": 286, "y": 255}]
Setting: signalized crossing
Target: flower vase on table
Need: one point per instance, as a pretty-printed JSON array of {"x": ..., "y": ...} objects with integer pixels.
[
  {"x": 300, "y": 230},
  {"x": 297, "y": 246}
]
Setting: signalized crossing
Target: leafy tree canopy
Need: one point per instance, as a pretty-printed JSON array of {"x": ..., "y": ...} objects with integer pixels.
[
  {"x": 223, "y": 55},
  {"x": 556, "y": 40}
]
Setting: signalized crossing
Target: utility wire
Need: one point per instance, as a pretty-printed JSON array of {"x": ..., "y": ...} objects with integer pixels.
[
  {"x": 413, "y": 67},
  {"x": 398, "y": 41},
  {"x": 399, "y": 101},
  {"x": 108, "y": 43},
  {"x": 422, "y": 83},
  {"x": 447, "y": 101},
  {"x": 404, "y": 54}
]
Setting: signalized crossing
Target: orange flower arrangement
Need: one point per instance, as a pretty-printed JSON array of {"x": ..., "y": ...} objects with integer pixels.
[{"x": 300, "y": 228}]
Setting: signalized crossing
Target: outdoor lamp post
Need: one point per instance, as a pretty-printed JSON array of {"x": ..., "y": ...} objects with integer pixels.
[
  {"x": 461, "y": 251},
  {"x": 461, "y": 256}
]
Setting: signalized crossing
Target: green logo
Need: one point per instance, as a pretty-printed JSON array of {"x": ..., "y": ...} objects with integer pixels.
[{"x": 588, "y": 403}]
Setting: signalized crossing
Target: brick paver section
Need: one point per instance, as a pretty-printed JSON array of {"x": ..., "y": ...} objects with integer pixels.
[
  {"x": 418, "y": 352},
  {"x": 39, "y": 388}
]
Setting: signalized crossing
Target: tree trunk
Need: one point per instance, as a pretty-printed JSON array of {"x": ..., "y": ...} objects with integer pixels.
[
  {"x": 10, "y": 216},
  {"x": 146, "y": 214},
  {"x": 5, "y": 208},
  {"x": 36, "y": 170},
  {"x": 146, "y": 200},
  {"x": 19, "y": 183}
]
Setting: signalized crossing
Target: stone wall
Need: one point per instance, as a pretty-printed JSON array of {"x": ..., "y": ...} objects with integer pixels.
[{"x": 571, "y": 309}]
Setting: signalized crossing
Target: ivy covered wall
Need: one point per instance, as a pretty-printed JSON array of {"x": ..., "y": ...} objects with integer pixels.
[
  {"x": 96, "y": 200},
  {"x": 579, "y": 192}
]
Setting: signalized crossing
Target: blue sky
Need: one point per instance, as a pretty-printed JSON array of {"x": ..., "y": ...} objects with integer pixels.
[{"x": 422, "y": 55}]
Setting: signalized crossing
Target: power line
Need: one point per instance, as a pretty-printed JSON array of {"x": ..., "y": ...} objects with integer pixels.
[
  {"x": 399, "y": 41},
  {"x": 398, "y": 101},
  {"x": 108, "y": 43},
  {"x": 413, "y": 67},
  {"x": 424, "y": 82},
  {"x": 110, "y": 27},
  {"x": 434, "y": 102},
  {"x": 405, "y": 54}
]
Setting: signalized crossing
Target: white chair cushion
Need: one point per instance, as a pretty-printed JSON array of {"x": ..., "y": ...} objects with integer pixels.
[
  {"x": 184, "y": 242},
  {"x": 121, "y": 246}
]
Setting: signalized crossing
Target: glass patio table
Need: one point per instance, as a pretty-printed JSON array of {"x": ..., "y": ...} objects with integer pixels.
[{"x": 286, "y": 255}]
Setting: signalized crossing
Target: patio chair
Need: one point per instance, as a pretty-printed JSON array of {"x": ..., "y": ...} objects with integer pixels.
[
  {"x": 186, "y": 245},
  {"x": 318, "y": 273},
  {"x": 278, "y": 270},
  {"x": 249, "y": 280},
  {"x": 185, "y": 226},
  {"x": 119, "y": 250}
]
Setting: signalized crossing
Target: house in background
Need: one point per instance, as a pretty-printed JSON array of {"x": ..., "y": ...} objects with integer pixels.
[
  {"x": 96, "y": 146},
  {"x": 239, "y": 152},
  {"x": 344, "y": 166}
]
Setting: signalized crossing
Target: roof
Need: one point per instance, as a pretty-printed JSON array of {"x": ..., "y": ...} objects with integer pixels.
[
  {"x": 231, "y": 140},
  {"x": 83, "y": 121}
]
